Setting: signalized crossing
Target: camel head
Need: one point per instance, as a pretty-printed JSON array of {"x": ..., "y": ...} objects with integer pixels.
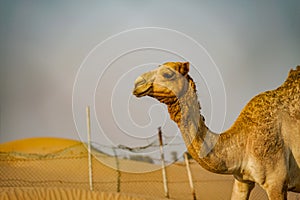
[{"x": 167, "y": 83}]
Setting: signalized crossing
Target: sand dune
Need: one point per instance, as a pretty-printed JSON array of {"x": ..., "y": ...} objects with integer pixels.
[
  {"x": 37, "y": 145},
  {"x": 39, "y": 169}
]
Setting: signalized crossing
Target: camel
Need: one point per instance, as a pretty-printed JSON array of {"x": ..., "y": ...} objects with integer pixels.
[{"x": 263, "y": 144}]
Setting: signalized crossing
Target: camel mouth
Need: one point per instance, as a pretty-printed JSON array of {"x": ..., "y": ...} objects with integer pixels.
[
  {"x": 142, "y": 87},
  {"x": 141, "y": 91}
]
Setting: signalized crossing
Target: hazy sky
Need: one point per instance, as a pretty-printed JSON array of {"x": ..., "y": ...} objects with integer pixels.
[{"x": 44, "y": 43}]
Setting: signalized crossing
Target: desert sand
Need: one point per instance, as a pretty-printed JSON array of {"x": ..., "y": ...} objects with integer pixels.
[{"x": 53, "y": 168}]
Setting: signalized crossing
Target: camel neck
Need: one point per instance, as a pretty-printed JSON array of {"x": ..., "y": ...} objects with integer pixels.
[{"x": 207, "y": 148}]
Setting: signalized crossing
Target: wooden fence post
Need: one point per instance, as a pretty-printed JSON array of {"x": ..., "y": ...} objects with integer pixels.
[
  {"x": 118, "y": 170},
  {"x": 188, "y": 169},
  {"x": 88, "y": 122},
  {"x": 164, "y": 173}
]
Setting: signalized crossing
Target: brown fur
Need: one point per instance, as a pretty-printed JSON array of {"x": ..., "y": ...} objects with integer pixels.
[{"x": 262, "y": 145}]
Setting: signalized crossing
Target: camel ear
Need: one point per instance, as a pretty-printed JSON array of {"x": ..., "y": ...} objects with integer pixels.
[{"x": 185, "y": 68}]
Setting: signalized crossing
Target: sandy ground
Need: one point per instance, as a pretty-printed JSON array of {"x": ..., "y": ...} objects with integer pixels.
[
  {"x": 49, "y": 168},
  {"x": 63, "y": 194}
]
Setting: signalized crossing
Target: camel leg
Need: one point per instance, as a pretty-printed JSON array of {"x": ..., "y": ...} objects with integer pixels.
[
  {"x": 277, "y": 191},
  {"x": 276, "y": 194},
  {"x": 276, "y": 184},
  {"x": 241, "y": 190}
]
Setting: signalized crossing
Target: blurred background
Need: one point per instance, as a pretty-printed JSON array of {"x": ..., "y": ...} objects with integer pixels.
[{"x": 43, "y": 43}]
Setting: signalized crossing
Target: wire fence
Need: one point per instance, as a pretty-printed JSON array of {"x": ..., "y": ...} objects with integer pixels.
[{"x": 69, "y": 168}]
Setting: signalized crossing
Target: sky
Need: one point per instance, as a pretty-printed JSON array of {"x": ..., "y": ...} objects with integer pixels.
[{"x": 58, "y": 56}]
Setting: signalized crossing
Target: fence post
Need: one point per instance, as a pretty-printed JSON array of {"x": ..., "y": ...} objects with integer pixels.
[
  {"x": 164, "y": 173},
  {"x": 118, "y": 170},
  {"x": 188, "y": 169},
  {"x": 88, "y": 122}
]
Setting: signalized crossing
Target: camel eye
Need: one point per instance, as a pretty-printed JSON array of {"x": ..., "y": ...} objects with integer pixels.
[{"x": 168, "y": 74}]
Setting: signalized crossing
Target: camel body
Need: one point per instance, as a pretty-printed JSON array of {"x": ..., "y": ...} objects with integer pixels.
[{"x": 263, "y": 144}]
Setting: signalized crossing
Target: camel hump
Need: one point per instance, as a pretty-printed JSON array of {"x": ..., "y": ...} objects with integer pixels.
[
  {"x": 294, "y": 73},
  {"x": 293, "y": 78},
  {"x": 289, "y": 92}
]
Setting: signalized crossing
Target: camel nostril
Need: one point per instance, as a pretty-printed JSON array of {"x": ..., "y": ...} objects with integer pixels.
[{"x": 139, "y": 81}]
